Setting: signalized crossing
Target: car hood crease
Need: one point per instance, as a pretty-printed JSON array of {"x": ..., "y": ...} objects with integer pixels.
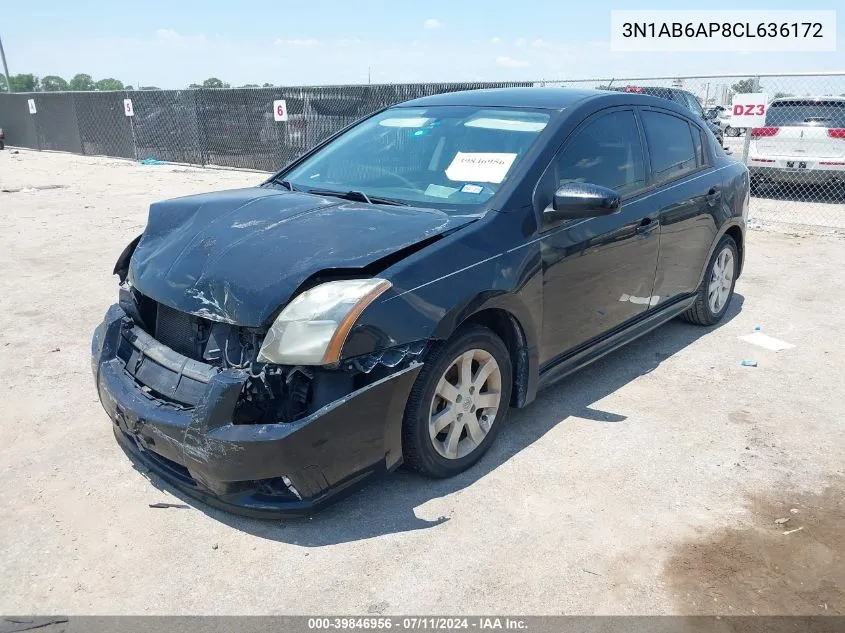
[{"x": 237, "y": 256}]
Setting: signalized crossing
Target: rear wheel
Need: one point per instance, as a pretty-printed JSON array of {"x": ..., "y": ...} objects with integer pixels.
[
  {"x": 458, "y": 403},
  {"x": 717, "y": 288}
]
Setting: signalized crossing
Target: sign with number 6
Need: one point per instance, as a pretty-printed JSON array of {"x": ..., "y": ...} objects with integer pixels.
[
  {"x": 280, "y": 110},
  {"x": 749, "y": 109}
]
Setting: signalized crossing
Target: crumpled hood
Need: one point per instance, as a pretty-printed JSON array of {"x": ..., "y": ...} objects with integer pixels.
[{"x": 236, "y": 256}]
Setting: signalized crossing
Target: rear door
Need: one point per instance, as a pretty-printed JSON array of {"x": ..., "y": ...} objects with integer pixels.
[
  {"x": 688, "y": 193},
  {"x": 802, "y": 129}
]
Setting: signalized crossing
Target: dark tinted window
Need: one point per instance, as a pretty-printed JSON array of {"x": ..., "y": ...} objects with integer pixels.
[
  {"x": 670, "y": 145},
  {"x": 605, "y": 152},
  {"x": 801, "y": 112}
]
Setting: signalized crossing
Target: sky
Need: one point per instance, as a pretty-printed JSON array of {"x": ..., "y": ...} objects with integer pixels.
[{"x": 172, "y": 43}]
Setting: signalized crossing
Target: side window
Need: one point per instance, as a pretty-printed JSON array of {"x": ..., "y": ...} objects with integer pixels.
[
  {"x": 670, "y": 146},
  {"x": 607, "y": 152},
  {"x": 698, "y": 142}
]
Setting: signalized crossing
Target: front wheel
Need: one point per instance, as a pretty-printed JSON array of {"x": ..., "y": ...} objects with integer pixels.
[
  {"x": 458, "y": 403},
  {"x": 717, "y": 288}
]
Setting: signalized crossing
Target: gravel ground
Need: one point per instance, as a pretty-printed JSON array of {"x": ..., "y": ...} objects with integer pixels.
[{"x": 649, "y": 482}]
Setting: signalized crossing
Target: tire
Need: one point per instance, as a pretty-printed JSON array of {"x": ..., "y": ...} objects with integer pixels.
[
  {"x": 732, "y": 131},
  {"x": 427, "y": 451},
  {"x": 703, "y": 311}
]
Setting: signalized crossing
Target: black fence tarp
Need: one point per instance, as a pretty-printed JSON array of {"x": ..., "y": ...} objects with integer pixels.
[{"x": 232, "y": 128}]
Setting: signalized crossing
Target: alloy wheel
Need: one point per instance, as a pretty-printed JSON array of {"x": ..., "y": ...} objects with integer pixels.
[
  {"x": 465, "y": 404},
  {"x": 721, "y": 281}
]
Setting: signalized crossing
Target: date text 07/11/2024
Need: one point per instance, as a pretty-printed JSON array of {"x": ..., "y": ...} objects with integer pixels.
[{"x": 409, "y": 623}]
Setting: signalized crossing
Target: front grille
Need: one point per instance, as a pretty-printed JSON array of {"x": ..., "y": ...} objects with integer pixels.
[
  {"x": 198, "y": 338},
  {"x": 177, "y": 330}
]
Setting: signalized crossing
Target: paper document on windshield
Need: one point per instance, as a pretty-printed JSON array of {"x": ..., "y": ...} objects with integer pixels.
[{"x": 479, "y": 167}]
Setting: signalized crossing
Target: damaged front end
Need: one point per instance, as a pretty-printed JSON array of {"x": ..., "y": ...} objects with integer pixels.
[
  {"x": 223, "y": 365},
  {"x": 190, "y": 400}
]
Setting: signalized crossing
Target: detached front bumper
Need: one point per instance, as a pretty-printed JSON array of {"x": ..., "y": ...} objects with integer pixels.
[{"x": 262, "y": 470}]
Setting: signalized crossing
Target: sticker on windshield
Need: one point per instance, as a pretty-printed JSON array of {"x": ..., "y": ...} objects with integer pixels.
[
  {"x": 417, "y": 121},
  {"x": 510, "y": 125},
  {"x": 472, "y": 189},
  {"x": 480, "y": 167},
  {"x": 439, "y": 191}
]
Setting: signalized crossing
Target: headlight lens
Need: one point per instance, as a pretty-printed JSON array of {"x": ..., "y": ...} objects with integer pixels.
[{"x": 312, "y": 328}]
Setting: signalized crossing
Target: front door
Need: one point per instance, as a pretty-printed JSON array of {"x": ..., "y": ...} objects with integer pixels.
[{"x": 598, "y": 273}]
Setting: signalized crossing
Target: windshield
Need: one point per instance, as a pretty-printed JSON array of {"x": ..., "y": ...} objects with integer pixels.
[
  {"x": 806, "y": 112},
  {"x": 453, "y": 158}
]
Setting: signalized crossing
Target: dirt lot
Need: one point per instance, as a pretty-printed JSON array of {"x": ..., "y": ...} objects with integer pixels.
[{"x": 650, "y": 482}]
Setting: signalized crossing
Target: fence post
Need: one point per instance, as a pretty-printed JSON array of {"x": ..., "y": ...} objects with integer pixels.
[
  {"x": 131, "y": 123},
  {"x": 747, "y": 144}
]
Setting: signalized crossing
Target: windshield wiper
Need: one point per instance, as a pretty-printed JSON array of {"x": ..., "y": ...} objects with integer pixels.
[
  {"x": 285, "y": 183},
  {"x": 359, "y": 196}
]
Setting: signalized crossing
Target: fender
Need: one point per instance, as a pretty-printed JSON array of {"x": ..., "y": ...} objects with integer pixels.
[{"x": 732, "y": 222}]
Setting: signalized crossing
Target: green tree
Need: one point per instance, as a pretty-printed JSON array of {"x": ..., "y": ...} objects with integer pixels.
[
  {"x": 250, "y": 86},
  {"x": 3, "y": 83},
  {"x": 744, "y": 85},
  {"x": 266, "y": 85},
  {"x": 778, "y": 95},
  {"x": 129, "y": 87},
  {"x": 25, "y": 82},
  {"x": 214, "y": 82},
  {"x": 109, "y": 84},
  {"x": 53, "y": 83},
  {"x": 81, "y": 82}
]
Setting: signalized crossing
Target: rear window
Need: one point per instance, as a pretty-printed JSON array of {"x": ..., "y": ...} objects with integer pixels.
[{"x": 803, "y": 112}]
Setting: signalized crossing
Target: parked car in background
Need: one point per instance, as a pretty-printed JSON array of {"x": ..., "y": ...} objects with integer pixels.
[
  {"x": 803, "y": 142},
  {"x": 724, "y": 121},
  {"x": 389, "y": 295},
  {"x": 682, "y": 97},
  {"x": 713, "y": 113}
]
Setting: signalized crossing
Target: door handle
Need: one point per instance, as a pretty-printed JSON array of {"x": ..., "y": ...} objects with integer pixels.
[
  {"x": 645, "y": 225},
  {"x": 713, "y": 194}
]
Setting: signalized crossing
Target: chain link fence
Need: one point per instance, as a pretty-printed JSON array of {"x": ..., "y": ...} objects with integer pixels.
[{"x": 796, "y": 157}]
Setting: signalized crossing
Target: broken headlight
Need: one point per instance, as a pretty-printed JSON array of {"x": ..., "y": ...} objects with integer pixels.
[{"x": 312, "y": 328}]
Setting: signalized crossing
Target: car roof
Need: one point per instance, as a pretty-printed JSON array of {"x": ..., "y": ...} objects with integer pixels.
[{"x": 546, "y": 98}]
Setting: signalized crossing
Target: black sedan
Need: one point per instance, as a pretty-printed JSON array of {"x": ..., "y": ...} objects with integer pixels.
[{"x": 386, "y": 298}]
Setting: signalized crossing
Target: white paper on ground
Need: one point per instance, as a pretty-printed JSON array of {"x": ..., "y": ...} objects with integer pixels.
[
  {"x": 758, "y": 338},
  {"x": 479, "y": 167}
]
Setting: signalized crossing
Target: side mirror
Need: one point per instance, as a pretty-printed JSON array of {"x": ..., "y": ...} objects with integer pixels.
[{"x": 582, "y": 200}]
